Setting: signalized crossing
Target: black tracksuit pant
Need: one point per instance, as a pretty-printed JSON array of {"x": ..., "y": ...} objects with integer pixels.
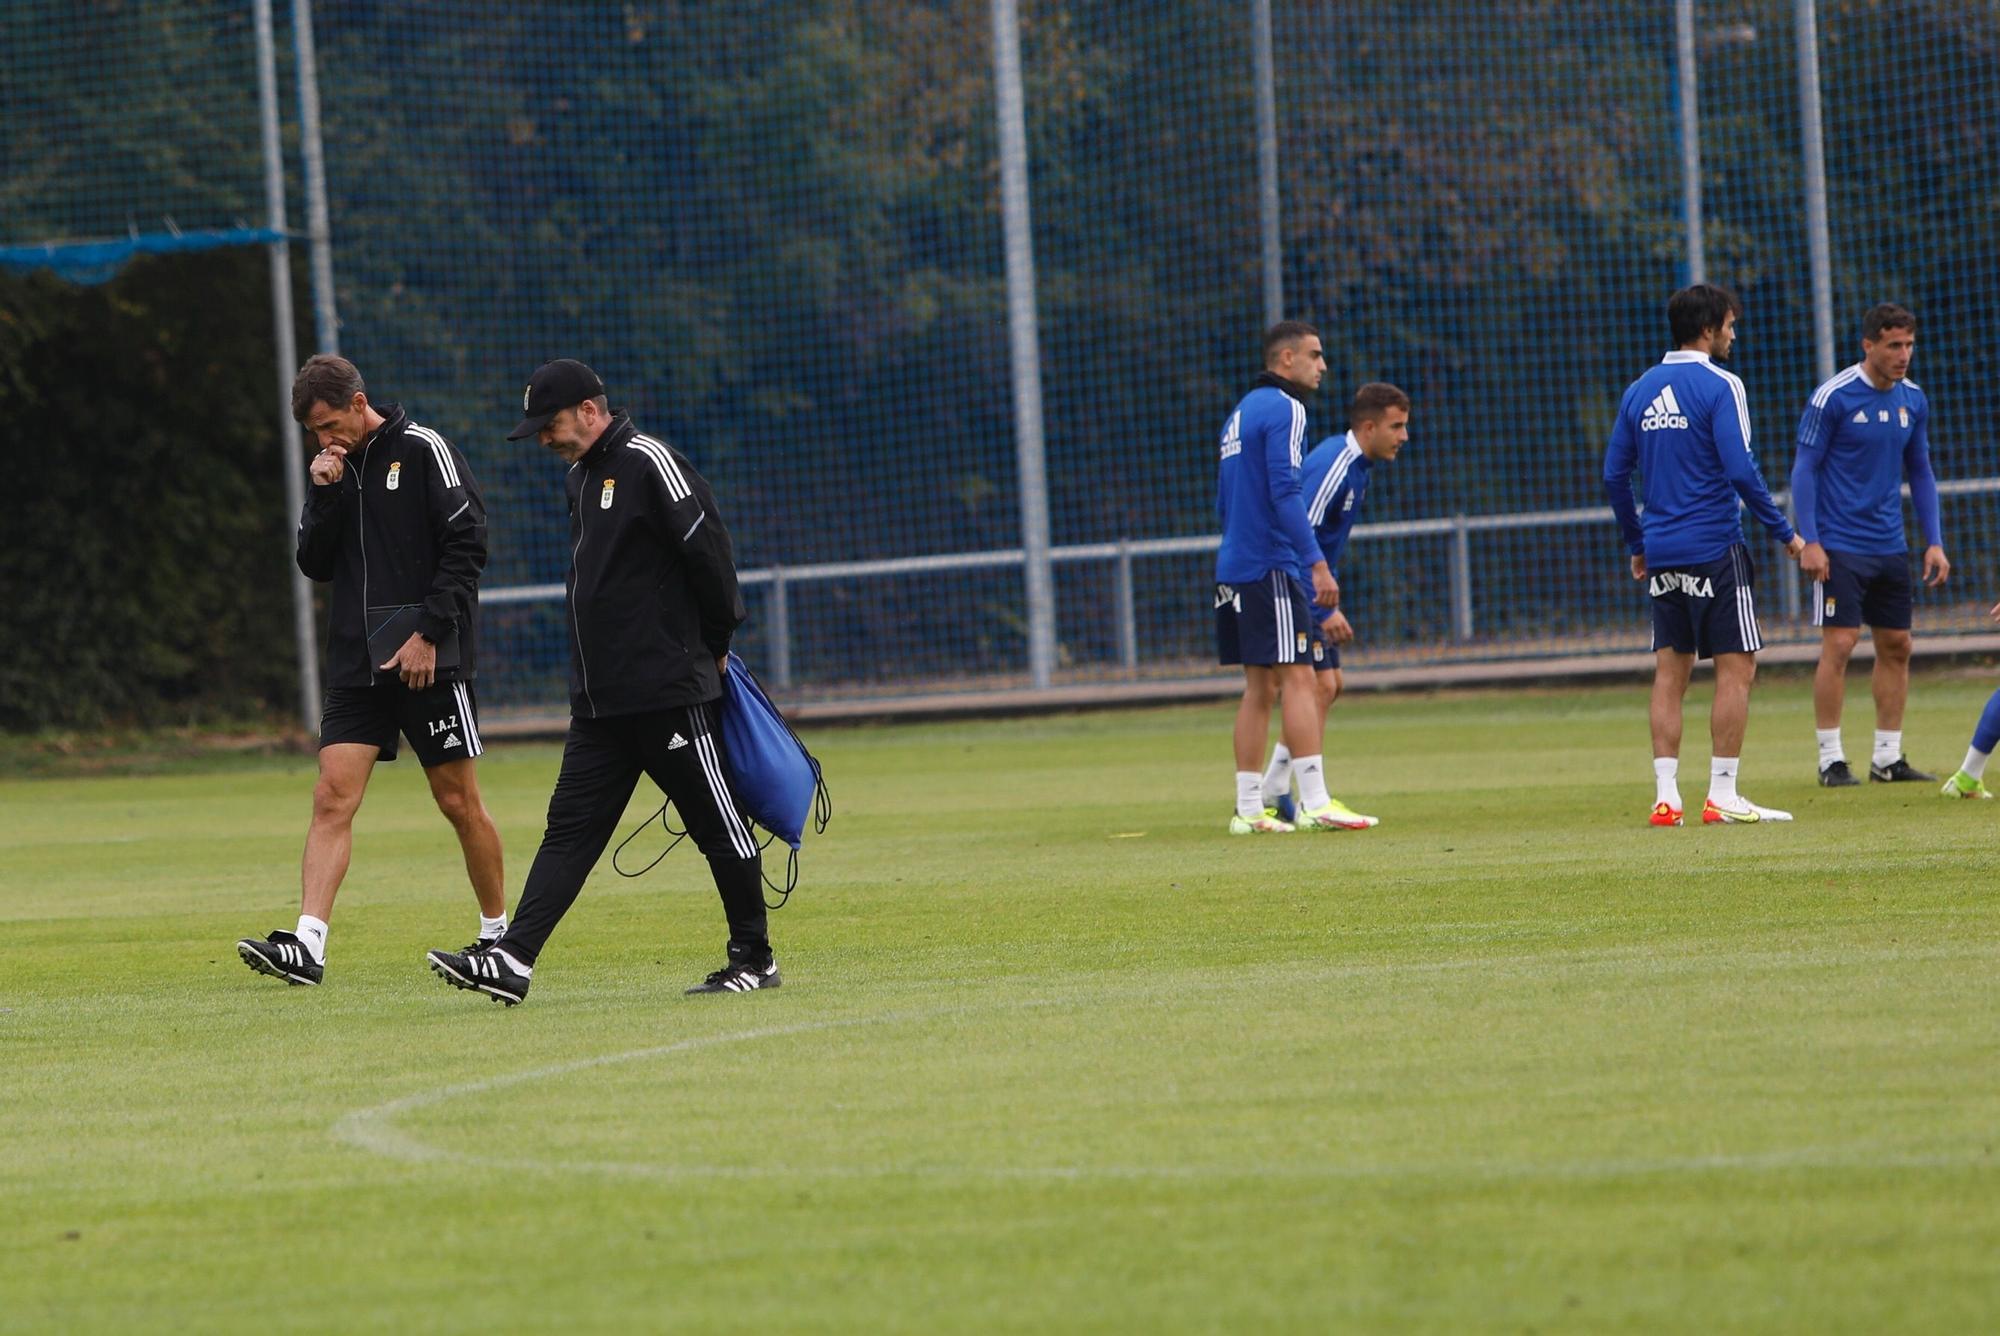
[{"x": 681, "y": 749}]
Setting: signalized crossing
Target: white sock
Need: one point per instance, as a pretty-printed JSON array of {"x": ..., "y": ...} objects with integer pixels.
[
  {"x": 1888, "y": 746},
  {"x": 312, "y": 932},
  {"x": 1666, "y": 780},
  {"x": 1975, "y": 762},
  {"x": 1278, "y": 775},
  {"x": 1830, "y": 749},
  {"x": 1249, "y": 794},
  {"x": 525, "y": 971},
  {"x": 491, "y": 928},
  {"x": 1311, "y": 773},
  {"x": 1722, "y": 780}
]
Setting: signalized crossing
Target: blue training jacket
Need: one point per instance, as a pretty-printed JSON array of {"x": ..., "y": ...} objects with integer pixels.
[
  {"x": 1257, "y": 494},
  {"x": 1685, "y": 425},
  {"x": 1856, "y": 443},
  {"x": 1334, "y": 479}
]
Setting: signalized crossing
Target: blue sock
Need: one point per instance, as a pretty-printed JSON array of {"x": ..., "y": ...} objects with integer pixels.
[{"x": 1988, "y": 733}]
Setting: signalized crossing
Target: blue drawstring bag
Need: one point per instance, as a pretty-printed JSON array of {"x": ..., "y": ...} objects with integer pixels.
[{"x": 776, "y": 781}]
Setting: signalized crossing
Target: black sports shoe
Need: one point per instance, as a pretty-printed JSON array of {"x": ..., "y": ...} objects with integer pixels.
[
  {"x": 1899, "y": 771},
  {"x": 282, "y": 956},
  {"x": 1838, "y": 776},
  {"x": 737, "y": 977},
  {"x": 484, "y": 971}
]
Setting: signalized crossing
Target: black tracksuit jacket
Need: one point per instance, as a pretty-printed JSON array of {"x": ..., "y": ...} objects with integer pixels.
[
  {"x": 403, "y": 525},
  {"x": 653, "y": 598}
]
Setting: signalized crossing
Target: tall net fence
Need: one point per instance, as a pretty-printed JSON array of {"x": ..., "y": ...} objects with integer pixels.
[
  {"x": 126, "y": 129},
  {"x": 776, "y": 230}
]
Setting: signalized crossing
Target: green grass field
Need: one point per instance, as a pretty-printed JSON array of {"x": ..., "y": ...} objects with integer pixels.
[{"x": 1053, "y": 1052}]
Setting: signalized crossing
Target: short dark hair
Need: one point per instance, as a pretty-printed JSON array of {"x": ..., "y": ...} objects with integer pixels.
[
  {"x": 1282, "y": 333},
  {"x": 1886, "y": 315},
  {"x": 1698, "y": 308},
  {"x": 1373, "y": 400},
  {"x": 324, "y": 379}
]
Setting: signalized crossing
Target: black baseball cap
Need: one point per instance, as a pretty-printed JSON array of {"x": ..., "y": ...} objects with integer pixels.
[{"x": 563, "y": 383}]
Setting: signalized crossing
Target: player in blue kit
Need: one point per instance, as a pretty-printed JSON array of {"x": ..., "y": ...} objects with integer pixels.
[
  {"x": 1863, "y": 431},
  {"x": 1969, "y": 781},
  {"x": 1685, "y": 425},
  {"x": 1262, "y": 618},
  {"x": 1334, "y": 480}
]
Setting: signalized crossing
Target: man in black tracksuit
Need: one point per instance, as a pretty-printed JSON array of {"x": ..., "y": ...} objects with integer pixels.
[
  {"x": 653, "y": 603},
  {"x": 394, "y": 521}
]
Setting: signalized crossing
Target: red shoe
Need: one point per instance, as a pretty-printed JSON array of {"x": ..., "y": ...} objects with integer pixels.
[{"x": 1665, "y": 814}]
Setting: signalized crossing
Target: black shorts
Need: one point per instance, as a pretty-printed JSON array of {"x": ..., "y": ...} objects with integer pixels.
[
  {"x": 441, "y": 721},
  {"x": 1264, "y": 623},
  {"x": 1878, "y": 590},
  {"x": 1706, "y": 609}
]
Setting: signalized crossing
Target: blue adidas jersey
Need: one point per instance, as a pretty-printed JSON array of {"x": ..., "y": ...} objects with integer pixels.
[
  {"x": 1856, "y": 444},
  {"x": 1685, "y": 426},
  {"x": 1257, "y": 495},
  {"x": 1334, "y": 479}
]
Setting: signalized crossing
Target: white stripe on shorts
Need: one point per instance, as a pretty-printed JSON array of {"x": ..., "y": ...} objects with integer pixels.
[
  {"x": 1746, "y": 610},
  {"x": 1281, "y": 614},
  {"x": 472, "y": 745}
]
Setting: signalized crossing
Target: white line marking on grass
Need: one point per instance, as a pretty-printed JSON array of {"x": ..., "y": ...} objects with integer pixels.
[{"x": 374, "y": 1129}]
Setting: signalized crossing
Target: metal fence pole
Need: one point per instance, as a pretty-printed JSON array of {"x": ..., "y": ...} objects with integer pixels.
[
  {"x": 1687, "y": 94},
  {"x": 1819, "y": 248},
  {"x": 1263, "y": 68},
  {"x": 312, "y": 150},
  {"x": 1812, "y": 149},
  {"x": 1024, "y": 340},
  {"x": 304, "y": 637},
  {"x": 781, "y": 629},
  {"x": 1461, "y": 578},
  {"x": 1128, "y": 620}
]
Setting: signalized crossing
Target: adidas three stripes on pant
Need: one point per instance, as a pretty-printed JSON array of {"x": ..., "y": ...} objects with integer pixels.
[{"x": 681, "y": 750}]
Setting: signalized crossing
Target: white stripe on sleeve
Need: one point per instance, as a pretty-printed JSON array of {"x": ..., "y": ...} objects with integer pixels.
[
  {"x": 663, "y": 460},
  {"x": 446, "y": 465}
]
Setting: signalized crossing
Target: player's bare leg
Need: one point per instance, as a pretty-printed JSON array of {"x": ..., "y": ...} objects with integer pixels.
[
  {"x": 1836, "y": 648},
  {"x": 1892, "y": 690},
  {"x": 1892, "y": 677},
  {"x": 1299, "y": 713},
  {"x": 299, "y": 956},
  {"x": 1671, "y": 671},
  {"x": 1328, "y": 684},
  {"x": 1305, "y": 729},
  {"x": 455, "y": 786},
  {"x": 1253, "y": 725},
  {"x": 1728, "y": 719},
  {"x": 1253, "y": 715},
  {"x": 344, "y": 768},
  {"x": 1278, "y": 773}
]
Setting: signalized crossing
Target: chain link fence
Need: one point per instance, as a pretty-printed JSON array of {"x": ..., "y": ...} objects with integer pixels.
[{"x": 781, "y": 231}]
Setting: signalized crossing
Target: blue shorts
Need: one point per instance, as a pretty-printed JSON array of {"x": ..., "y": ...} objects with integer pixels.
[
  {"x": 1877, "y": 590},
  {"x": 1265, "y": 623},
  {"x": 1705, "y": 609},
  {"x": 1325, "y": 654}
]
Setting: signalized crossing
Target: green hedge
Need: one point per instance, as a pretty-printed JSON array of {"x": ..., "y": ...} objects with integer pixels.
[{"x": 144, "y": 538}]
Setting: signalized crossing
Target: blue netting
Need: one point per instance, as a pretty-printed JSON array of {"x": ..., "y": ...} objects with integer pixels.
[
  {"x": 775, "y": 229},
  {"x": 129, "y": 129}
]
